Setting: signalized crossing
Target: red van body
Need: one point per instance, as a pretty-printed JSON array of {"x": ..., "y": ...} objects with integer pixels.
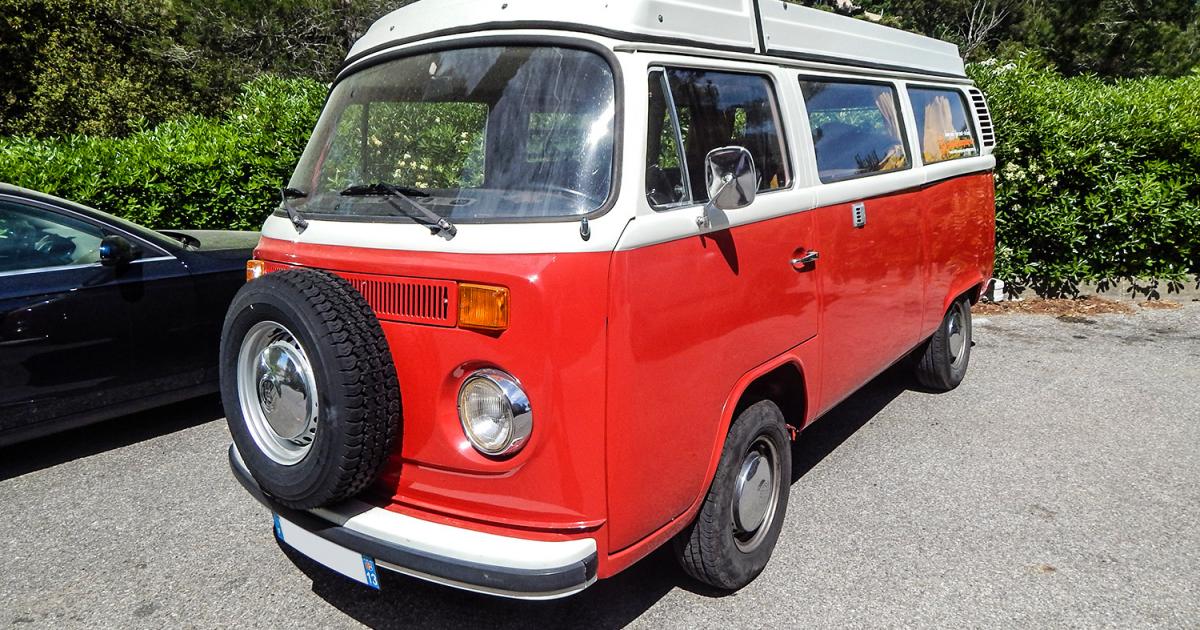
[{"x": 640, "y": 333}]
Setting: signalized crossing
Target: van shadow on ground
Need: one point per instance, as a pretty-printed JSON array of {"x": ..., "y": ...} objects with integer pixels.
[
  {"x": 60, "y": 448},
  {"x": 410, "y": 603}
]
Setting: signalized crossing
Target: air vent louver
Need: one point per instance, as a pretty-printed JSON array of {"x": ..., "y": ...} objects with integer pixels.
[
  {"x": 409, "y": 300},
  {"x": 984, "y": 115}
]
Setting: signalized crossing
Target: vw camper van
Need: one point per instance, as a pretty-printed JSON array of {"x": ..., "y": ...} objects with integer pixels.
[{"x": 555, "y": 284}]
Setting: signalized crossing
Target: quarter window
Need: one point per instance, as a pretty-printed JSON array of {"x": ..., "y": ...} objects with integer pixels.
[
  {"x": 856, "y": 129},
  {"x": 702, "y": 110},
  {"x": 31, "y": 238},
  {"x": 943, "y": 124}
]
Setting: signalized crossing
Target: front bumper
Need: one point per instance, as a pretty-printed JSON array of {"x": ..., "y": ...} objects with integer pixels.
[{"x": 453, "y": 556}]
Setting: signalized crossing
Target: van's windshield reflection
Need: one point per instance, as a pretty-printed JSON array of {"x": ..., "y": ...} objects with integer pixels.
[{"x": 494, "y": 133}]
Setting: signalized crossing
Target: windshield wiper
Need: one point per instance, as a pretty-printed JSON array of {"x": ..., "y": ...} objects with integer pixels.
[
  {"x": 297, "y": 219},
  {"x": 383, "y": 189},
  {"x": 437, "y": 224}
]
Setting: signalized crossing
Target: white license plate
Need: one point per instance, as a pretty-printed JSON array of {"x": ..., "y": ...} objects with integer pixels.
[{"x": 349, "y": 563}]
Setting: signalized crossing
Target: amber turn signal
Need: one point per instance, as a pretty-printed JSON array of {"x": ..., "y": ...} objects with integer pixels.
[
  {"x": 482, "y": 307},
  {"x": 255, "y": 269}
]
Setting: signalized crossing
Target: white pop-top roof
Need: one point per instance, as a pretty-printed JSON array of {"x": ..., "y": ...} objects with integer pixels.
[{"x": 788, "y": 30}]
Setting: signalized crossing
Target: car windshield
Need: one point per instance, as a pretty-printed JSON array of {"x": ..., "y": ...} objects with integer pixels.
[{"x": 474, "y": 135}]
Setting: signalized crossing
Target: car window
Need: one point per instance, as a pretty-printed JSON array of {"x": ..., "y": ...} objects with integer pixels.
[
  {"x": 942, "y": 121},
  {"x": 856, "y": 128},
  {"x": 702, "y": 110},
  {"x": 32, "y": 238}
]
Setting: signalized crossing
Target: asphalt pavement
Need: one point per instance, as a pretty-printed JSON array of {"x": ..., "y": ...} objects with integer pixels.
[{"x": 1058, "y": 487}]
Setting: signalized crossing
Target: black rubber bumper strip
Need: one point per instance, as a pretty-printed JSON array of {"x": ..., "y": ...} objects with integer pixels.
[{"x": 505, "y": 580}]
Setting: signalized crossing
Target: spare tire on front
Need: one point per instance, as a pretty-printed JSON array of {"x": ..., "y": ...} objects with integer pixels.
[{"x": 309, "y": 387}]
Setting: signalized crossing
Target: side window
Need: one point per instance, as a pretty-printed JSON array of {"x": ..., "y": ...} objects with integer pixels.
[
  {"x": 856, "y": 128},
  {"x": 693, "y": 112},
  {"x": 32, "y": 238},
  {"x": 943, "y": 123}
]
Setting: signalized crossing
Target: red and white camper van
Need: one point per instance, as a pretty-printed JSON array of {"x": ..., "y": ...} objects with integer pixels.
[{"x": 556, "y": 283}]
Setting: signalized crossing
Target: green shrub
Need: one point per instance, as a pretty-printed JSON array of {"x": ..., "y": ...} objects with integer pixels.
[
  {"x": 1097, "y": 181},
  {"x": 188, "y": 173}
]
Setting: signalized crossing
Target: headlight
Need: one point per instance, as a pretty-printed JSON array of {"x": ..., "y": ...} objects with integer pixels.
[{"x": 495, "y": 413}]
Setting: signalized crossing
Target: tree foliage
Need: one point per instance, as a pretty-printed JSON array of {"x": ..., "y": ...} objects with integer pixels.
[
  {"x": 1113, "y": 38},
  {"x": 109, "y": 67}
]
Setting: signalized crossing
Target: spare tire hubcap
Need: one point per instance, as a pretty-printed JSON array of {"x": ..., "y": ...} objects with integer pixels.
[{"x": 277, "y": 392}]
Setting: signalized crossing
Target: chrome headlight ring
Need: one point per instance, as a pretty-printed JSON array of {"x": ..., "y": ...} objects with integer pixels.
[{"x": 495, "y": 413}]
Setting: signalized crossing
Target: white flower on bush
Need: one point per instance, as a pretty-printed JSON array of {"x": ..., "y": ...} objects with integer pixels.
[{"x": 1013, "y": 172}]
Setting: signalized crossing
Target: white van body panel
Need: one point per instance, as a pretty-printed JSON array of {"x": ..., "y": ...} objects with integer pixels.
[
  {"x": 789, "y": 30},
  {"x": 727, "y": 23},
  {"x": 793, "y": 30}
]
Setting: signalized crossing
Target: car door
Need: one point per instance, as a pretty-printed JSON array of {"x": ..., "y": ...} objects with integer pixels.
[
  {"x": 872, "y": 277},
  {"x": 694, "y": 309},
  {"x": 75, "y": 335}
]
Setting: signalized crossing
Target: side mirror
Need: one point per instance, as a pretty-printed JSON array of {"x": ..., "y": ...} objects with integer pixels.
[
  {"x": 732, "y": 178},
  {"x": 115, "y": 251}
]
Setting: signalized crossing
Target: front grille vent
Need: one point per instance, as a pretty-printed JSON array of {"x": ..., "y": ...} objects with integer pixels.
[
  {"x": 412, "y": 300},
  {"x": 400, "y": 299}
]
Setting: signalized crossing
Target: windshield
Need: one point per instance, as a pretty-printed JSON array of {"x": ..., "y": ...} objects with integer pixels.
[{"x": 479, "y": 134}]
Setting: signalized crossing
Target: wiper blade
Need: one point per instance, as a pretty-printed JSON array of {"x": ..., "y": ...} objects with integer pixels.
[
  {"x": 438, "y": 224},
  {"x": 297, "y": 219},
  {"x": 382, "y": 189}
]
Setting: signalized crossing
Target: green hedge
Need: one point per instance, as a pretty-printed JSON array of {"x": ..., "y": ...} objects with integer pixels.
[
  {"x": 1097, "y": 181},
  {"x": 189, "y": 173}
]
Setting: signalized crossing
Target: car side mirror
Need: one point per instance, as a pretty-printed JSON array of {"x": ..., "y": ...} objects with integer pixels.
[
  {"x": 115, "y": 251},
  {"x": 732, "y": 178}
]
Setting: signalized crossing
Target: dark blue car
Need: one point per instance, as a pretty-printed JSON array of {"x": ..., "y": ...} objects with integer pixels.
[{"x": 100, "y": 317}]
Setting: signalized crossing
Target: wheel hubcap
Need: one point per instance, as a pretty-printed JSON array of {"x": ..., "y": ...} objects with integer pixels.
[
  {"x": 957, "y": 333},
  {"x": 756, "y": 494},
  {"x": 277, "y": 392}
]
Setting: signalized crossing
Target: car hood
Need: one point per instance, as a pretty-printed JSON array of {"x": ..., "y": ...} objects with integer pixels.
[{"x": 215, "y": 240}]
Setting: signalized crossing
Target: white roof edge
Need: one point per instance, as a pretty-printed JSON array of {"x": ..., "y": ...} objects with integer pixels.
[{"x": 789, "y": 30}]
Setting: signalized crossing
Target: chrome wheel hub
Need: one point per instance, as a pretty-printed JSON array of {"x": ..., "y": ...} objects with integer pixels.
[
  {"x": 756, "y": 495},
  {"x": 277, "y": 391},
  {"x": 956, "y": 330}
]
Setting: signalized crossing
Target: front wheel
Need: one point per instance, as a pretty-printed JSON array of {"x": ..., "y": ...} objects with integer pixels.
[
  {"x": 942, "y": 362},
  {"x": 731, "y": 540}
]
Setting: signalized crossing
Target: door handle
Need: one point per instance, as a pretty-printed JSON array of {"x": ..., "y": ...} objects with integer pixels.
[{"x": 806, "y": 260}]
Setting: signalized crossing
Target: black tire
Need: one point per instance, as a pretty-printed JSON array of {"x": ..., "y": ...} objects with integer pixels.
[
  {"x": 357, "y": 393},
  {"x": 941, "y": 364},
  {"x": 711, "y": 549}
]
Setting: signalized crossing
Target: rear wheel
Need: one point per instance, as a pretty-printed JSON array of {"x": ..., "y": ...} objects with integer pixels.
[
  {"x": 942, "y": 362},
  {"x": 309, "y": 387},
  {"x": 731, "y": 540}
]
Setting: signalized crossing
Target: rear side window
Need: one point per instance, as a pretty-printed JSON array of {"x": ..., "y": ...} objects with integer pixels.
[
  {"x": 856, "y": 128},
  {"x": 944, "y": 125},
  {"x": 702, "y": 110}
]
